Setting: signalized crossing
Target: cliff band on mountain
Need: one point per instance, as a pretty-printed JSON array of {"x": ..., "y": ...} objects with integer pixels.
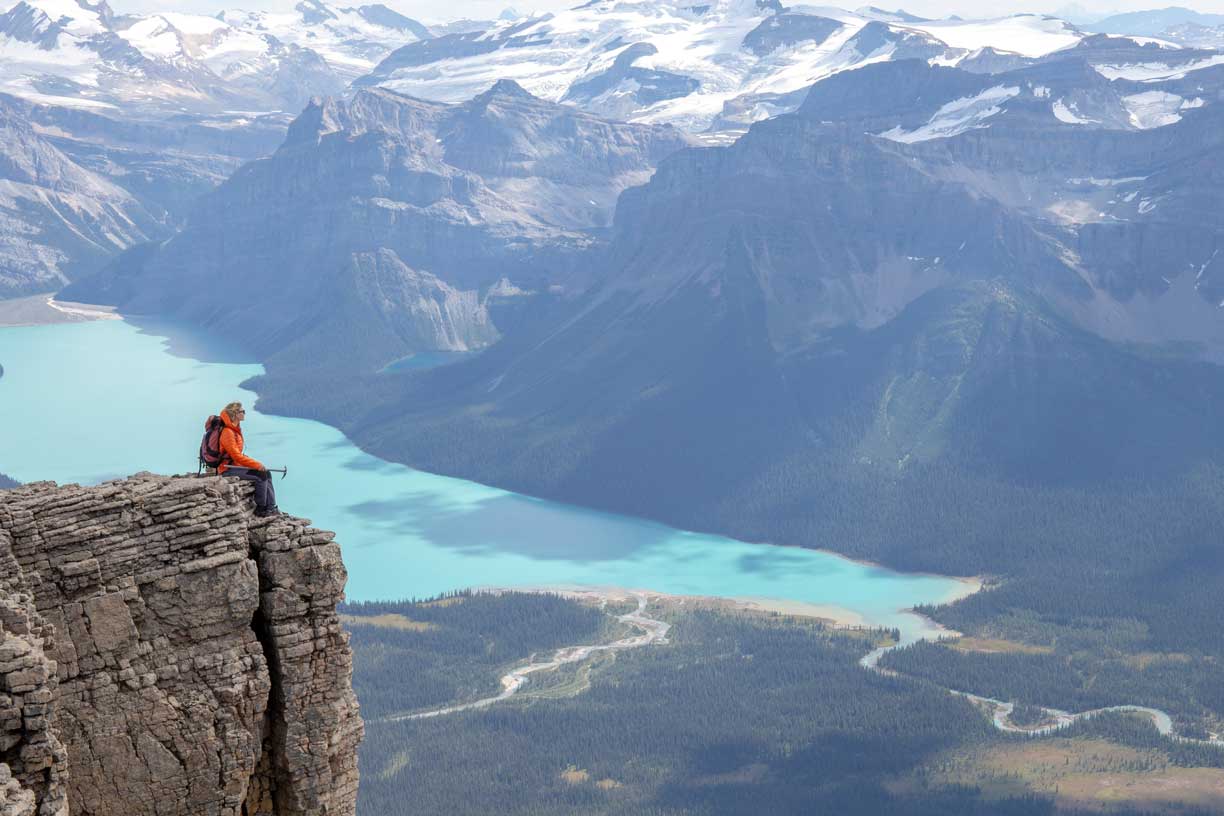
[{"x": 162, "y": 651}]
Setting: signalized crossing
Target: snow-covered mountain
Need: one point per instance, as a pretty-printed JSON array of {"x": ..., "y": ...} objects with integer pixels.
[
  {"x": 81, "y": 54},
  {"x": 111, "y": 125},
  {"x": 725, "y": 63},
  {"x": 351, "y": 40},
  {"x": 716, "y": 66},
  {"x": 165, "y": 106}
]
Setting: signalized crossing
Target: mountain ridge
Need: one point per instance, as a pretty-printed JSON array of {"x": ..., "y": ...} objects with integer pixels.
[
  {"x": 458, "y": 198},
  {"x": 88, "y": 56}
]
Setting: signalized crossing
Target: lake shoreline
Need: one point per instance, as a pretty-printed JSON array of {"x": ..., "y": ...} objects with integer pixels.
[
  {"x": 53, "y": 311},
  {"x": 45, "y": 310},
  {"x": 829, "y": 614},
  {"x": 826, "y": 613},
  {"x": 784, "y": 594}
]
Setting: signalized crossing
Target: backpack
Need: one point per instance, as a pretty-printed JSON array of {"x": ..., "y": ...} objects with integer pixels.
[{"x": 210, "y": 445}]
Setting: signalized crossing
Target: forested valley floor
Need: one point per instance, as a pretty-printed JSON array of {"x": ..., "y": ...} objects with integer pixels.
[{"x": 739, "y": 713}]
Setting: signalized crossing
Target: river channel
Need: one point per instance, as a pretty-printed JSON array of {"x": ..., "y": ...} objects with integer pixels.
[{"x": 90, "y": 401}]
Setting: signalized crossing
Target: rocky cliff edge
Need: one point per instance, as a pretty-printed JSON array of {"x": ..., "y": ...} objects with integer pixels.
[{"x": 163, "y": 651}]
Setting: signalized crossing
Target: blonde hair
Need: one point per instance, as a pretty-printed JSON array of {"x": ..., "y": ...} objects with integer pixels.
[{"x": 232, "y": 410}]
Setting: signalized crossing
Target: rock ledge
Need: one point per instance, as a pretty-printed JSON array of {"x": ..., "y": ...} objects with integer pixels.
[{"x": 163, "y": 651}]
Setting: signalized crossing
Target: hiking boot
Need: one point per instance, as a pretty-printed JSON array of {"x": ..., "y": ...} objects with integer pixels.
[{"x": 268, "y": 511}]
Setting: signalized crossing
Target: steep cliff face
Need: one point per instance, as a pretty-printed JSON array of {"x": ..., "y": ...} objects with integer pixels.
[
  {"x": 162, "y": 651},
  {"x": 397, "y": 214},
  {"x": 58, "y": 219}
]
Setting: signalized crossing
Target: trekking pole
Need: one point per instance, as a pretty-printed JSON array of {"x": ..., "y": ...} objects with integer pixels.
[{"x": 282, "y": 471}]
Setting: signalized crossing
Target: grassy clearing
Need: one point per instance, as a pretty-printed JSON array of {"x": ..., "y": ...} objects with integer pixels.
[
  {"x": 575, "y": 776},
  {"x": 1087, "y": 774},
  {"x": 1144, "y": 660},
  {"x": 402, "y": 623},
  {"x": 996, "y": 646},
  {"x": 397, "y": 763},
  {"x": 450, "y": 600}
]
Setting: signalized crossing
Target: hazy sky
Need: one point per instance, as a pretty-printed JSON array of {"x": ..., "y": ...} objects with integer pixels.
[{"x": 435, "y": 10}]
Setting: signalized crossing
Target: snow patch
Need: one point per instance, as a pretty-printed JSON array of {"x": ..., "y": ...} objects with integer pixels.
[
  {"x": 1145, "y": 41},
  {"x": 1029, "y": 35},
  {"x": 154, "y": 37},
  {"x": 957, "y": 117},
  {"x": 1106, "y": 182},
  {"x": 1068, "y": 114},
  {"x": 196, "y": 25},
  {"x": 1156, "y": 71},
  {"x": 706, "y": 48},
  {"x": 77, "y": 19},
  {"x": 1154, "y": 109}
]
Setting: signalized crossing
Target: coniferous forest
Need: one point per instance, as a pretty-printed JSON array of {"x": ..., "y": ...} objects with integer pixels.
[{"x": 738, "y": 714}]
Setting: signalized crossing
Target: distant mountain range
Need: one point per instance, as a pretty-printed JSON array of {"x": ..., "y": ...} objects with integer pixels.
[
  {"x": 56, "y": 215},
  {"x": 1181, "y": 26},
  {"x": 77, "y": 187},
  {"x": 719, "y": 65},
  {"x": 1154, "y": 23},
  {"x": 1007, "y": 279},
  {"x": 78, "y": 53},
  {"x": 116, "y": 124},
  {"x": 386, "y": 225},
  {"x": 163, "y": 107}
]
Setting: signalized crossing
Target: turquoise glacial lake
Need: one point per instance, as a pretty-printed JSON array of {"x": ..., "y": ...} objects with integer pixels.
[{"x": 88, "y": 402}]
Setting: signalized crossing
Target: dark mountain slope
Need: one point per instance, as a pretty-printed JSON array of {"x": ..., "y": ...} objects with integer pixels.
[
  {"x": 947, "y": 439},
  {"x": 824, "y": 337}
]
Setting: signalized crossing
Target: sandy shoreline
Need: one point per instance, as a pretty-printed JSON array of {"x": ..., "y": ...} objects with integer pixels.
[
  {"x": 43, "y": 310},
  {"x": 834, "y": 615}
]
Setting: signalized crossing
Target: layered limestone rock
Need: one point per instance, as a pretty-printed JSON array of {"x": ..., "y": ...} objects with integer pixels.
[
  {"x": 33, "y": 763},
  {"x": 163, "y": 651}
]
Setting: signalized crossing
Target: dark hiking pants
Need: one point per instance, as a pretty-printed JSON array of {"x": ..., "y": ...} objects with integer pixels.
[{"x": 265, "y": 493}]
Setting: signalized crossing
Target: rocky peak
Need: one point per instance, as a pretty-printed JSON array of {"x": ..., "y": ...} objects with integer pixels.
[
  {"x": 162, "y": 651},
  {"x": 25, "y": 23},
  {"x": 503, "y": 89},
  {"x": 313, "y": 12},
  {"x": 378, "y": 14},
  {"x": 41, "y": 22}
]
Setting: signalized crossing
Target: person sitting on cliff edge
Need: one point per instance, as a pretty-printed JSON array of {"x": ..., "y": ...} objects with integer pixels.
[{"x": 235, "y": 463}]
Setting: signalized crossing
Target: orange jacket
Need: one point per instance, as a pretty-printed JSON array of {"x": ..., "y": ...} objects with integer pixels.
[{"x": 231, "y": 447}]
